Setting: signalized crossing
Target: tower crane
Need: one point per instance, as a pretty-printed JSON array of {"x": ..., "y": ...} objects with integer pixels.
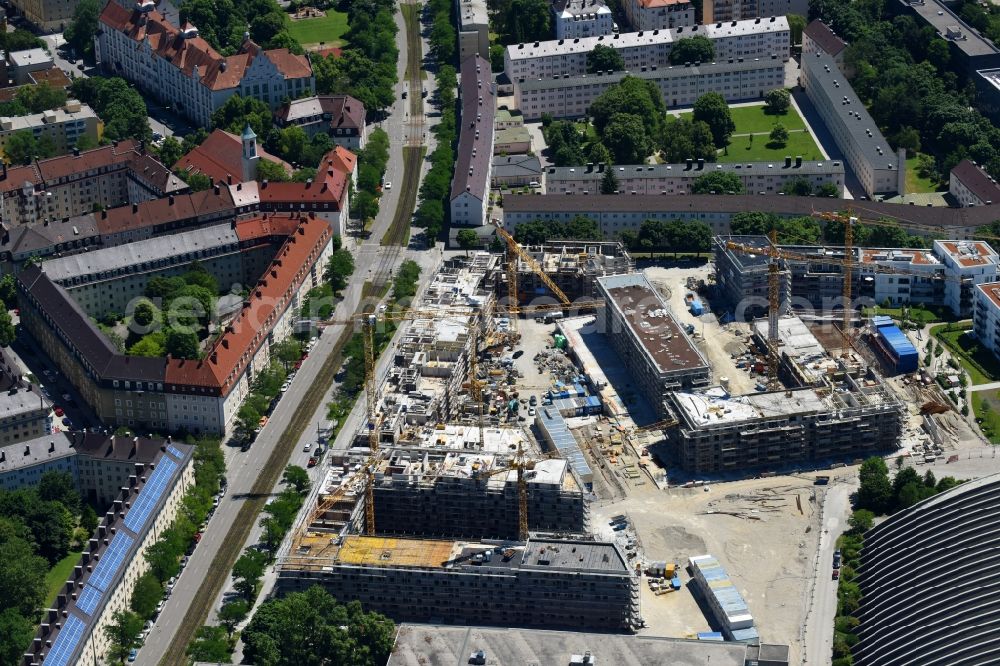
[
  {"x": 521, "y": 464},
  {"x": 849, "y": 221}
]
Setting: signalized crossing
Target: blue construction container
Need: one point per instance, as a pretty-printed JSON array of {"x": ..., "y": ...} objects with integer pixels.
[
  {"x": 894, "y": 345},
  {"x": 697, "y": 309},
  {"x": 710, "y": 636},
  {"x": 593, "y": 405}
]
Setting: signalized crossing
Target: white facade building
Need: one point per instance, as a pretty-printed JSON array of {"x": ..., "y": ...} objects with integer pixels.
[
  {"x": 64, "y": 126},
  {"x": 470, "y": 186},
  {"x": 757, "y": 177},
  {"x": 880, "y": 170},
  {"x": 181, "y": 69},
  {"x": 659, "y": 14},
  {"x": 758, "y": 38},
  {"x": 582, "y": 18},
  {"x": 986, "y": 316},
  {"x": 967, "y": 264},
  {"x": 473, "y": 29},
  {"x": 972, "y": 186},
  {"x": 571, "y": 97}
]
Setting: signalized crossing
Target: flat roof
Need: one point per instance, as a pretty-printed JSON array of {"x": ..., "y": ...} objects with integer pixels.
[
  {"x": 652, "y": 73},
  {"x": 574, "y": 555},
  {"x": 830, "y": 82},
  {"x": 433, "y": 645},
  {"x": 29, "y": 57},
  {"x": 968, "y": 253},
  {"x": 952, "y": 28},
  {"x": 652, "y": 322},
  {"x": 55, "y": 116},
  {"x": 746, "y": 260},
  {"x": 715, "y": 406},
  {"x": 383, "y": 551},
  {"x": 21, "y": 401},
  {"x": 991, "y": 291},
  {"x": 625, "y": 40}
]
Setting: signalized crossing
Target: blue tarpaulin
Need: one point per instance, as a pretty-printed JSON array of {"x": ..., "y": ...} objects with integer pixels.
[{"x": 894, "y": 344}]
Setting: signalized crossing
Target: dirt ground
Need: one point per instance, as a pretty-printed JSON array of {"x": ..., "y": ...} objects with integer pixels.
[{"x": 765, "y": 532}]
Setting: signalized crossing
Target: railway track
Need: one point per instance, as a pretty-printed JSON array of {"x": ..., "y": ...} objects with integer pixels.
[{"x": 239, "y": 530}]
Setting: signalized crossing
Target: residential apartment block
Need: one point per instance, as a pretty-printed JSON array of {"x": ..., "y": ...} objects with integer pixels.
[
  {"x": 64, "y": 127},
  {"x": 22, "y": 64},
  {"x": 972, "y": 186},
  {"x": 681, "y": 85},
  {"x": 473, "y": 29},
  {"x": 72, "y": 631},
  {"x": 757, "y": 177},
  {"x": 659, "y": 14},
  {"x": 178, "y": 68},
  {"x": 945, "y": 276},
  {"x": 470, "y": 186},
  {"x": 880, "y": 170},
  {"x": 63, "y": 187},
  {"x": 739, "y": 10},
  {"x": 986, "y": 317},
  {"x": 758, "y": 38},
  {"x": 340, "y": 116},
  {"x": 168, "y": 394},
  {"x": 651, "y": 344},
  {"x": 819, "y": 37},
  {"x": 46, "y": 15},
  {"x": 581, "y": 18},
  {"x": 24, "y": 414}
]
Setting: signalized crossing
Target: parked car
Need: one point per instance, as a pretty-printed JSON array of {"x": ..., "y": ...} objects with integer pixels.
[
  {"x": 836, "y": 574},
  {"x": 307, "y": 447},
  {"x": 132, "y": 654},
  {"x": 312, "y": 462}
]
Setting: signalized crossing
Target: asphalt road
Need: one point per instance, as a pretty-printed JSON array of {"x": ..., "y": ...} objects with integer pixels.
[
  {"x": 244, "y": 468},
  {"x": 823, "y": 609}
]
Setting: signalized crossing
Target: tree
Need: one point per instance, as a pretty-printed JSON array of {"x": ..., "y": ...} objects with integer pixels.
[
  {"x": 8, "y": 291},
  {"x": 777, "y": 101},
  {"x": 778, "y": 135},
  {"x": 339, "y": 269},
  {"x": 182, "y": 344},
  {"x": 198, "y": 182},
  {"x": 684, "y": 139},
  {"x": 604, "y": 59},
  {"x": 123, "y": 635},
  {"x": 16, "y": 631},
  {"x": 907, "y": 138},
  {"x": 147, "y": 593},
  {"x": 287, "y": 351},
  {"x": 7, "y": 333},
  {"x": 631, "y": 95},
  {"x": 272, "y": 172},
  {"x": 828, "y": 190},
  {"x": 118, "y": 104},
  {"x": 22, "y": 147},
  {"x": 151, "y": 345},
  {"x": 146, "y": 314},
  {"x": 210, "y": 644},
  {"x": 497, "y": 57},
  {"x": 875, "y": 493},
  {"x": 83, "y": 27},
  {"x": 297, "y": 478},
  {"x": 626, "y": 138},
  {"x": 232, "y": 613},
  {"x": 88, "y": 519},
  {"x": 861, "y": 521},
  {"x": 170, "y": 151},
  {"x": 609, "y": 181},
  {"x": 796, "y": 25},
  {"x": 799, "y": 187},
  {"x": 712, "y": 109},
  {"x": 598, "y": 153},
  {"x": 467, "y": 239},
  {"x": 22, "y": 577},
  {"x": 565, "y": 143},
  {"x": 692, "y": 49},
  {"x": 59, "y": 487},
  {"x": 717, "y": 182},
  {"x": 527, "y": 21},
  {"x": 248, "y": 571},
  {"x": 311, "y": 628}
]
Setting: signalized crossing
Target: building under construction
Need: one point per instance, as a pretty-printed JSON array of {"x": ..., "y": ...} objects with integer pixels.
[
  {"x": 850, "y": 414},
  {"x": 543, "y": 582},
  {"x": 574, "y": 266}
]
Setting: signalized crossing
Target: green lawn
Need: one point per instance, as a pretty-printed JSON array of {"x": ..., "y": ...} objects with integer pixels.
[
  {"x": 752, "y": 120},
  {"x": 982, "y": 366},
  {"x": 914, "y": 182},
  {"x": 915, "y": 313},
  {"x": 740, "y": 149},
  {"x": 59, "y": 574},
  {"x": 986, "y": 408},
  {"x": 329, "y": 29}
]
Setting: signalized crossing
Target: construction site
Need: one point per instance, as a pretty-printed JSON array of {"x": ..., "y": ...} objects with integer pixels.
[{"x": 554, "y": 428}]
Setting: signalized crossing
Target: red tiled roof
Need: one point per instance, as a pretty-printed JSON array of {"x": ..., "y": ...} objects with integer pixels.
[
  {"x": 342, "y": 159},
  {"x": 330, "y": 185},
  {"x": 187, "y": 53},
  {"x": 265, "y": 227},
  {"x": 334, "y": 51},
  {"x": 163, "y": 211},
  {"x": 825, "y": 37},
  {"x": 221, "y": 155},
  {"x": 226, "y": 360},
  {"x": 290, "y": 65}
]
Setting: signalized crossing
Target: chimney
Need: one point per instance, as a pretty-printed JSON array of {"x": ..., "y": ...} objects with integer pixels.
[
  {"x": 170, "y": 200},
  {"x": 215, "y": 357},
  {"x": 788, "y": 161},
  {"x": 4, "y": 171},
  {"x": 701, "y": 163},
  {"x": 225, "y": 343},
  {"x": 135, "y": 208},
  {"x": 229, "y": 179},
  {"x": 798, "y": 161},
  {"x": 263, "y": 184},
  {"x": 687, "y": 164},
  {"x": 309, "y": 182},
  {"x": 216, "y": 188}
]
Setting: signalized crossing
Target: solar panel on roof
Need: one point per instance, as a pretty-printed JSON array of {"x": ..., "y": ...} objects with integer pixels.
[
  {"x": 88, "y": 600},
  {"x": 172, "y": 450},
  {"x": 150, "y": 495},
  {"x": 111, "y": 561},
  {"x": 66, "y": 642}
]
